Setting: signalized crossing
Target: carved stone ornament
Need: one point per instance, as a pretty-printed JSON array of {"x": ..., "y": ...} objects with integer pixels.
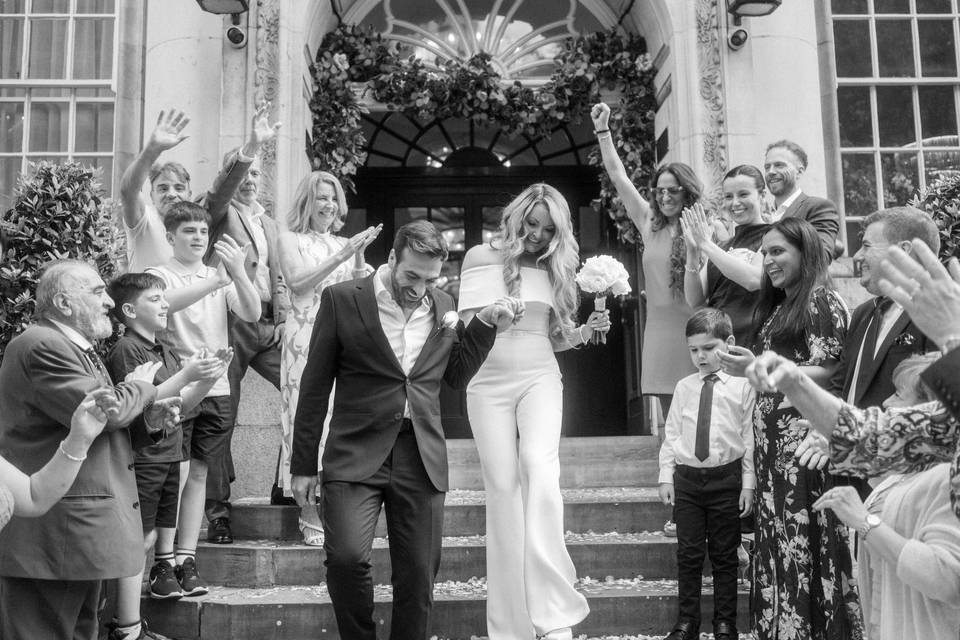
[
  {"x": 710, "y": 66},
  {"x": 266, "y": 88}
]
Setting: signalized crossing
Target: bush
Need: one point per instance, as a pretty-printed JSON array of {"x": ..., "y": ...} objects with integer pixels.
[
  {"x": 942, "y": 201},
  {"x": 58, "y": 212}
]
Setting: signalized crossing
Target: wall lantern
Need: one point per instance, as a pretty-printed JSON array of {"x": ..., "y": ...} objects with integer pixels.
[
  {"x": 751, "y": 8},
  {"x": 226, "y": 6}
]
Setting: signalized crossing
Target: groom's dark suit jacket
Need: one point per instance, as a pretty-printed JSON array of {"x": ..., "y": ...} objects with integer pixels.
[
  {"x": 902, "y": 341},
  {"x": 348, "y": 345}
]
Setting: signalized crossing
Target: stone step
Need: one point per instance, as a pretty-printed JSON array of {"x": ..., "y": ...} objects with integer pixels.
[
  {"x": 305, "y": 613},
  {"x": 631, "y": 509},
  {"x": 268, "y": 563}
]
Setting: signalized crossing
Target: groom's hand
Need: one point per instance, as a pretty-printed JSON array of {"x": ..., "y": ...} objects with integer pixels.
[
  {"x": 304, "y": 489},
  {"x": 502, "y": 313}
]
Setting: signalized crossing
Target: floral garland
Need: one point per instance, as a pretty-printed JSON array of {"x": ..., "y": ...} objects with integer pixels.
[{"x": 473, "y": 89}]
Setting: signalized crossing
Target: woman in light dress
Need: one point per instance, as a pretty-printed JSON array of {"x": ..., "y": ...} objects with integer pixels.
[
  {"x": 312, "y": 258},
  {"x": 515, "y": 406}
]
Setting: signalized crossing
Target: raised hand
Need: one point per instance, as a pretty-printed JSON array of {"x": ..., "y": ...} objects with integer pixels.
[
  {"x": 231, "y": 254},
  {"x": 90, "y": 416},
  {"x": 736, "y": 360},
  {"x": 500, "y": 314},
  {"x": 358, "y": 242},
  {"x": 163, "y": 415},
  {"x": 600, "y": 114},
  {"x": 695, "y": 224},
  {"x": 262, "y": 131},
  {"x": 927, "y": 291},
  {"x": 769, "y": 371},
  {"x": 169, "y": 130},
  {"x": 372, "y": 233},
  {"x": 203, "y": 367}
]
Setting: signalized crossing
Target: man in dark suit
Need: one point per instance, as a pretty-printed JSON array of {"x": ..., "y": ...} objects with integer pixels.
[
  {"x": 388, "y": 342},
  {"x": 784, "y": 163},
  {"x": 881, "y": 334},
  {"x": 255, "y": 344},
  {"x": 51, "y": 567}
]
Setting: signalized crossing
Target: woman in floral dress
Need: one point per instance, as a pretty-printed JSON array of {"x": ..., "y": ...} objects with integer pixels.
[
  {"x": 311, "y": 258},
  {"x": 802, "y": 570}
]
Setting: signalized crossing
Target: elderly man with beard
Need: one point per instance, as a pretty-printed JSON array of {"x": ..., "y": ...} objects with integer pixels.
[{"x": 51, "y": 567}]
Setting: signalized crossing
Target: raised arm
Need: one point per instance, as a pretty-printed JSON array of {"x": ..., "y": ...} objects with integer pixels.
[
  {"x": 167, "y": 134},
  {"x": 182, "y": 297},
  {"x": 246, "y": 304},
  {"x": 301, "y": 277},
  {"x": 696, "y": 226},
  {"x": 638, "y": 209}
]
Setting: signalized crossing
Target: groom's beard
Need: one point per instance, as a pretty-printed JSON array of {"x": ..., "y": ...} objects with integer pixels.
[{"x": 406, "y": 297}]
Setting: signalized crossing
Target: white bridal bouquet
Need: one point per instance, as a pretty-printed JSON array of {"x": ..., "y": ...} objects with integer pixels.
[{"x": 603, "y": 276}]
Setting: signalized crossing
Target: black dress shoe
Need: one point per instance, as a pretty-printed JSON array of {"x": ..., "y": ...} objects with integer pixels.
[
  {"x": 219, "y": 531},
  {"x": 725, "y": 631},
  {"x": 684, "y": 631},
  {"x": 277, "y": 499}
]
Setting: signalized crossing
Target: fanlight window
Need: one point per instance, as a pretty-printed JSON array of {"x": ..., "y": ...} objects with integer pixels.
[{"x": 522, "y": 36}]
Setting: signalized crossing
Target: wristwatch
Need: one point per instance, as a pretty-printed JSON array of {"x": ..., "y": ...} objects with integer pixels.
[{"x": 872, "y": 520}]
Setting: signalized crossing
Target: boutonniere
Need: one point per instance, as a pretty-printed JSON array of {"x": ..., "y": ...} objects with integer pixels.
[
  {"x": 448, "y": 321},
  {"x": 905, "y": 340}
]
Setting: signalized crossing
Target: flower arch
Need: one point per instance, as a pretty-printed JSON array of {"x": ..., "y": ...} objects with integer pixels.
[{"x": 473, "y": 89}]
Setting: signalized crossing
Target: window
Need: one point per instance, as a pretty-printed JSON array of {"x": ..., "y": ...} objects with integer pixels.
[
  {"x": 897, "y": 96},
  {"x": 56, "y": 96}
]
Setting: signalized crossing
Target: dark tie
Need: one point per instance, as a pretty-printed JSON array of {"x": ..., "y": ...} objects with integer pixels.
[
  {"x": 702, "y": 449},
  {"x": 102, "y": 373},
  {"x": 881, "y": 305}
]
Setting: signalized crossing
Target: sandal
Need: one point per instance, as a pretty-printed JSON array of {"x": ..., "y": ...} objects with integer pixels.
[{"x": 312, "y": 533}]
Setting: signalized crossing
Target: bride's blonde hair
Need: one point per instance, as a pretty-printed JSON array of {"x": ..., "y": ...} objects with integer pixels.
[{"x": 561, "y": 257}]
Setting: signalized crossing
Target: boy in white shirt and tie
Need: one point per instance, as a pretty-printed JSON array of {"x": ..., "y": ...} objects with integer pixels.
[{"x": 706, "y": 473}]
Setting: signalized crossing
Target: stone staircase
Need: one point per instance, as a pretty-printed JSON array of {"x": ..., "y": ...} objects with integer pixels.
[{"x": 268, "y": 585}]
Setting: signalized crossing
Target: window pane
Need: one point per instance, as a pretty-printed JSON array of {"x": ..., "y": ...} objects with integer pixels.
[
  {"x": 9, "y": 169},
  {"x": 93, "y": 48},
  {"x": 50, "y": 6},
  {"x": 106, "y": 167},
  {"x": 11, "y": 6},
  {"x": 49, "y": 125},
  {"x": 899, "y": 178},
  {"x": 895, "y": 116},
  {"x": 940, "y": 165},
  {"x": 94, "y": 6},
  {"x": 48, "y": 48},
  {"x": 933, "y": 6},
  {"x": 938, "y": 115},
  {"x": 50, "y": 92},
  {"x": 856, "y": 129},
  {"x": 11, "y": 49},
  {"x": 12, "y": 92},
  {"x": 852, "y": 44},
  {"x": 896, "y": 54},
  {"x": 891, "y": 6},
  {"x": 94, "y": 127},
  {"x": 937, "y": 54},
  {"x": 11, "y": 127},
  {"x": 859, "y": 184},
  {"x": 94, "y": 92},
  {"x": 849, "y": 6},
  {"x": 491, "y": 222}
]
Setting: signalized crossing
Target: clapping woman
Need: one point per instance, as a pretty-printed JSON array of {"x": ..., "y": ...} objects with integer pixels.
[
  {"x": 515, "y": 406},
  {"x": 675, "y": 186},
  {"x": 312, "y": 258}
]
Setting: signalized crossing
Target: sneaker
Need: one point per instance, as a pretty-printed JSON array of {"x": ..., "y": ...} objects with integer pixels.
[
  {"x": 163, "y": 582},
  {"x": 190, "y": 582},
  {"x": 145, "y": 633},
  {"x": 670, "y": 529}
]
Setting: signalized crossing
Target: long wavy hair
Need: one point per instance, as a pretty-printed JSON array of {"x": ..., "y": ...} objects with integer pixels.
[
  {"x": 561, "y": 257},
  {"x": 794, "y": 315},
  {"x": 303, "y": 213},
  {"x": 692, "y": 190}
]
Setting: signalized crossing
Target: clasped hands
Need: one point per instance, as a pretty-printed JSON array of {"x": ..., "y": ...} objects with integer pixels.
[{"x": 503, "y": 313}]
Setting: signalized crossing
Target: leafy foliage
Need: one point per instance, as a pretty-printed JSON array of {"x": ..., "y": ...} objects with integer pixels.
[
  {"x": 474, "y": 89},
  {"x": 59, "y": 212},
  {"x": 942, "y": 201}
]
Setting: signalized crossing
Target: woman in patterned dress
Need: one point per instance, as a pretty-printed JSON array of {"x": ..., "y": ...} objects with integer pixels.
[
  {"x": 803, "y": 586},
  {"x": 311, "y": 258}
]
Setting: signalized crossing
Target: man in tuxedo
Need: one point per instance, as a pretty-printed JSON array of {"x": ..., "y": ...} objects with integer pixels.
[
  {"x": 784, "y": 163},
  {"x": 385, "y": 340},
  {"x": 51, "y": 567},
  {"x": 881, "y": 334}
]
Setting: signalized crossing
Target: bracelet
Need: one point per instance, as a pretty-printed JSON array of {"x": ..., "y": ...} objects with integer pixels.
[
  {"x": 68, "y": 456},
  {"x": 690, "y": 269},
  {"x": 597, "y": 132}
]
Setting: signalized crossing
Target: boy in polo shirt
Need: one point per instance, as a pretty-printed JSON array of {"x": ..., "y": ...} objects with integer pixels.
[
  {"x": 706, "y": 473},
  {"x": 200, "y": 299},
  {"x": 140, "y": 306}
]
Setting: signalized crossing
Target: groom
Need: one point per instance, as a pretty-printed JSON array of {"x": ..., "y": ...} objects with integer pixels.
[{"x": 382, "y": 339}]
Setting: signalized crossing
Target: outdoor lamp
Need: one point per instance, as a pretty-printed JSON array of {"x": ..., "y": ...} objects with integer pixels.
[
  {"x": 225, "y": 6},
  {"x": 752, "y": 8}
]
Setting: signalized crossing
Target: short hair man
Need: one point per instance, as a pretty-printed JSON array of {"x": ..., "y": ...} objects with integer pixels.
[
  {"x": 881, "y": 334},
  {"x": 381, "y": 339},
  {"x": 785, "y": 161},
  {"x": 51, "y": 568}
]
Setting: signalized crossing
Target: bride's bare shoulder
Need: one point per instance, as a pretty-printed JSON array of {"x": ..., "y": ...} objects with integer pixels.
[{"x": 482, "y": 255}]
